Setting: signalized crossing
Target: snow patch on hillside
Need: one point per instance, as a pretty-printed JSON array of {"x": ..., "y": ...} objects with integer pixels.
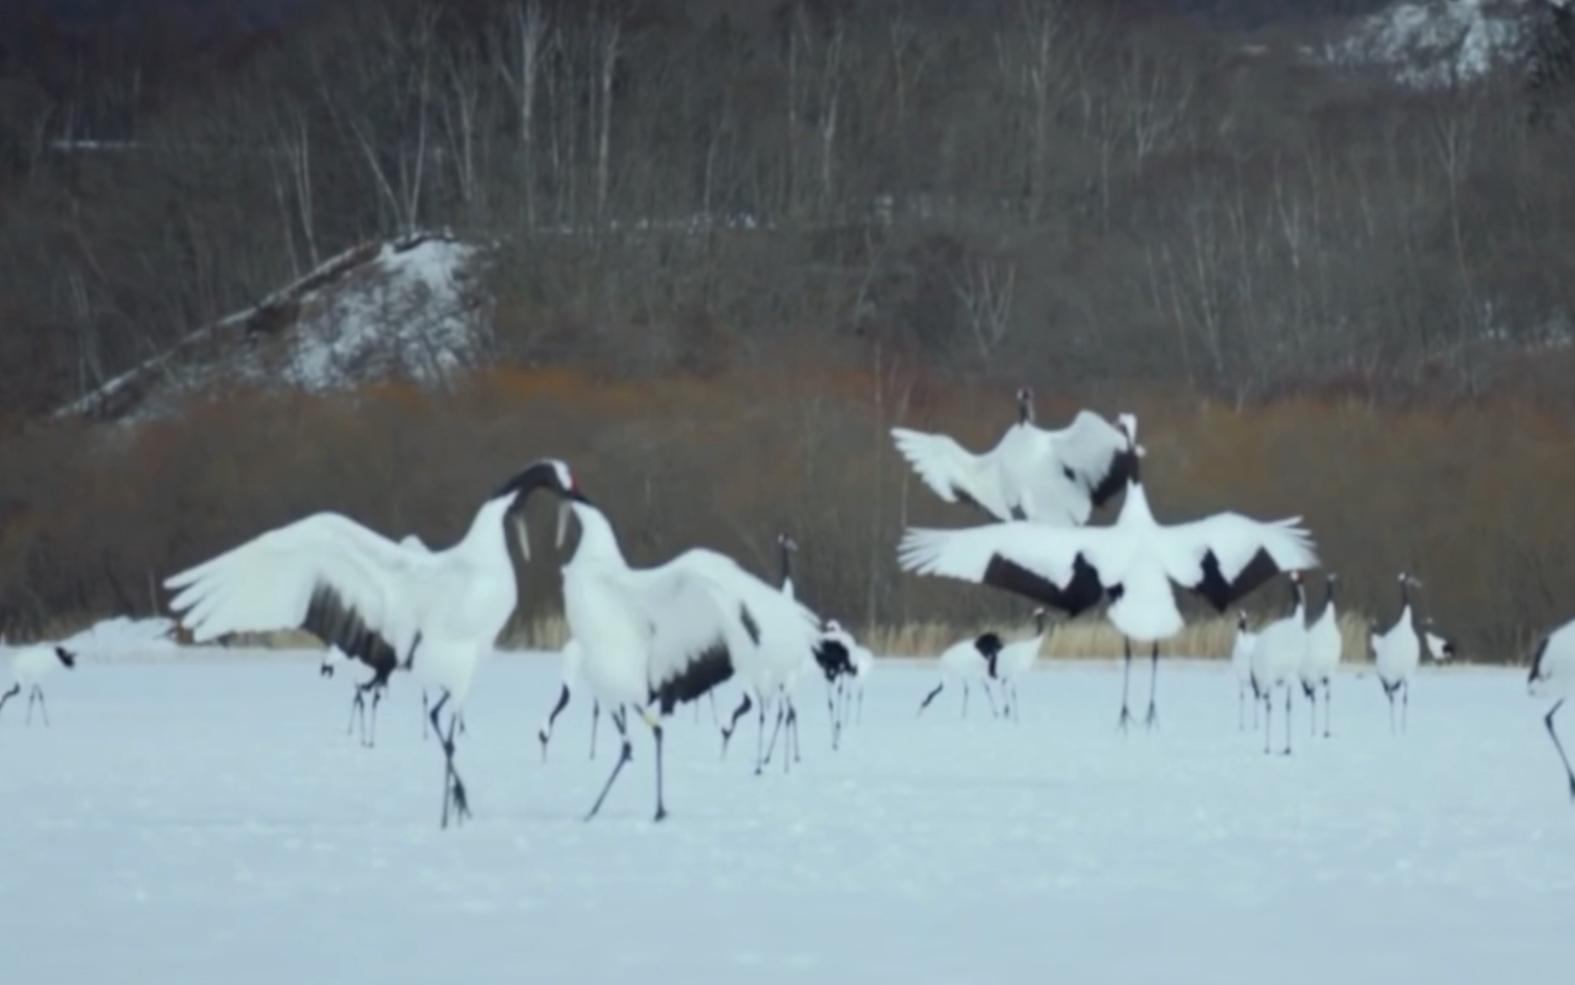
[
  {"x": 1436, "y": 43},
  {"x": 408, "y": 310}
]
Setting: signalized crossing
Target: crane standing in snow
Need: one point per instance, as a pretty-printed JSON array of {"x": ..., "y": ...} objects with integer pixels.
[
  {"x": 1553, "y": 675},
  {"x": 29, "y": 668}
]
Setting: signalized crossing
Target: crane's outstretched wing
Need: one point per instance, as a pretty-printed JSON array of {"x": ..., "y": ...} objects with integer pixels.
[
  {"x": 1058, "y": 566},
  {"x": 954, "y": 473},
  {"x": 1227, "y": 555},
  {"x": 1441, "y": 648},
  {"x": 1094, "y": 456},
  {"x": 327, "y": 574},
  {"x": 706, "y": 613}
]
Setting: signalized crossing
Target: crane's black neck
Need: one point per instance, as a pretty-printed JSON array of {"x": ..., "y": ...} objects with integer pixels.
[
  {"x": 1025, "y": 407},
  {"x": 1296, "y": 597}
]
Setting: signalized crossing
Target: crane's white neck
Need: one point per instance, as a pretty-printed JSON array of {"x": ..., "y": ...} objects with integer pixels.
[
  {"x": 597, "y": 541},
  {"x": 1134, "y": 509},
  {"x": 486, "y": 532}
]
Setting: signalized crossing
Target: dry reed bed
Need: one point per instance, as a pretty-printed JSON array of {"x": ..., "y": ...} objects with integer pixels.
[{"x": 1084, "y": 638}]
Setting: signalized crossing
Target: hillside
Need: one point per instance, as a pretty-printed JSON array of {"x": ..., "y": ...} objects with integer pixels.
[
  {"x": 403, "y": 310},
  {"x": 713, "y": 252}
]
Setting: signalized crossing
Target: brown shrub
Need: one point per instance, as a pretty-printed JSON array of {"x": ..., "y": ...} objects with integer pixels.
[{"x": 1471, "y": 498}]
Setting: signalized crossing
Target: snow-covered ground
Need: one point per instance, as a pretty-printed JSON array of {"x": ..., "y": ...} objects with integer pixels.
[{"x": 208, "y": 820}]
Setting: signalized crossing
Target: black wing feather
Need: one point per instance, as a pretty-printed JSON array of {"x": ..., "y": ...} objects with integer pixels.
[
  {"x": 1221, "y": 592},
  {"x": 705, "y": 672},
  {"x": 337, "y": 624},
  {"x": 1083, "y": 591},
  {"x": 833, "y": 659},
  {"x": 1123, "y": 467}
]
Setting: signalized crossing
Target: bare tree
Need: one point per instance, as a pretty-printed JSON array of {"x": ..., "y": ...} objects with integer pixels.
[
  {"x": 520, "y": 66},
  {"x": 984, "y": 288}
]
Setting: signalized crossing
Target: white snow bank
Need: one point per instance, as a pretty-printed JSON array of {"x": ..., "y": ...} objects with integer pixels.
[
  {"x": 1435, "y": 43},
  {"x": 124, "y": 638}
]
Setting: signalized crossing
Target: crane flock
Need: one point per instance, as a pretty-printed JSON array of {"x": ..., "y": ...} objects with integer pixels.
[{"x": 644, "y": 640}]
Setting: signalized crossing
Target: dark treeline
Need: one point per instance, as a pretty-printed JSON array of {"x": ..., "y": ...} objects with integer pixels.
[
  {"x": 1078, "y": 187},
  {"x": 1118, "y": 204}
]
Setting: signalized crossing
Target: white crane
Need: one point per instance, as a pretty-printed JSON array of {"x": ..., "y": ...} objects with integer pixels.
[
  {"x": 573, "y": 679},
  {"x": 966, "y": 661},
  {"x": 773, "y": 678},
  {"x": 1553, "y": 676},
  {"x": 435, "y": 615},
  {"x": 1220, "y": 558},
  {"x": 333, "y": 658},
  {"x": 652, "y": 638},
  {"x": 1055, "y": 477},
  {"x": 1440, "y": 648},
  {"x": 834, "y": 654},
  {"x": 29, "y": 668},
  {"x": 1322, "y": 657},
  {"x": 1277, "y": 659},
  {"x": 1397, "y": 651},
  {"x": 1241, "y": 663},
  {"x": 1015, "y": 659}
]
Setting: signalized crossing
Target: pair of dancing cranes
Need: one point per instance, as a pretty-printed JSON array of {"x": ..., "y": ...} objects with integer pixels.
[{"x": 655, "y": 637}]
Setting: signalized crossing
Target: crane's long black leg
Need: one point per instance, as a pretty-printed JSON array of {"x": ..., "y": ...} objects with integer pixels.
[
  {"x": 656, "y": 734},
  {"x": 32, "y": 696},
  {"x": 1405, "y": 704},
  {"x": 448, "y": 765},
  {"x": 625, "y": 754},
  {"x": 1327, "y": 691},
  {"x": 791, "y": 736},
  {"x": 965, "y": 699},
  {"x": 425, "y": 714},
  {"x": 43, "y": 709},
  {"x": 988, "y": 696},
  {"x": 1548, "y": 721},
  {"x": 1312, "y": 709},
  {"x": 732, "y": 726},
  {"x": 377, "y": 699},
  {"x": 1241, "y": 707},
  {"x": 1153, "y": 685},
  {"x": 858, "y": 716},
  {"x": 15, "y": 690},
  {"x": 544, "y": 734},
  {"x": 928, "y": 698},
  {"x": 1390, "y": 694},
  {"x": 1126, "y": 680},
  {"x": 596, "y": 714},
  {"x": 456, "y": 785},
  {"x": 831, "y": 711},
  {"x": 1268, "y": 716},
  {"x": 770, "y": 746},
  {"x": 357, "y": 703},
  {"x": 1289, "y": 694}
]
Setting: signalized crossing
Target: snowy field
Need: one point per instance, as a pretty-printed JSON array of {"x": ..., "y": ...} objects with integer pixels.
[{"x": 208, "y": 820}]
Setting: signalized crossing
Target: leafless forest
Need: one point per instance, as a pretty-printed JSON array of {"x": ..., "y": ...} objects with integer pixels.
[{"x": 735, "y": 242}]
